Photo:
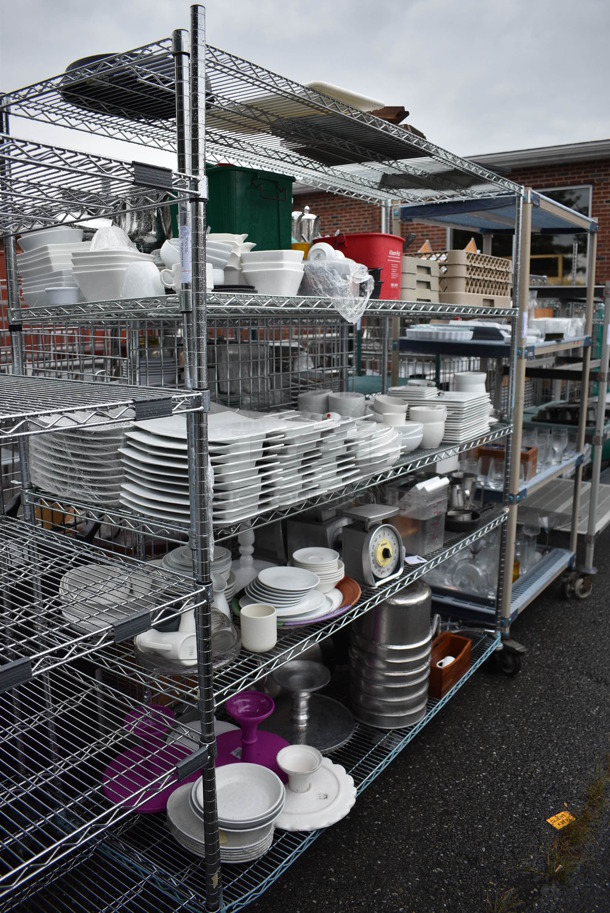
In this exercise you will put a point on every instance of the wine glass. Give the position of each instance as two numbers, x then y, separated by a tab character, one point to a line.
544	448
531	531
495	474
559	442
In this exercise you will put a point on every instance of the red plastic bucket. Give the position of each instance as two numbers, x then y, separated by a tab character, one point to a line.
377	251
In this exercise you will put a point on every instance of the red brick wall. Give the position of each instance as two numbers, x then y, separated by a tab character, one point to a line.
343	214
597	174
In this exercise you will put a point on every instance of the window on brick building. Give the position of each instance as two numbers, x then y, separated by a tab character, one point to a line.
561	258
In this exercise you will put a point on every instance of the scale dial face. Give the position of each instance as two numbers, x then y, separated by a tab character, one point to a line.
384	552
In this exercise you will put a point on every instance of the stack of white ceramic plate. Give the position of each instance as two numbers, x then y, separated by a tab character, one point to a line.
180	561
93	596
47	266
415	392
324	562
377	446
236	846
249	797
300	469
467	415
80	463
155	463
291	590
293	602
155	467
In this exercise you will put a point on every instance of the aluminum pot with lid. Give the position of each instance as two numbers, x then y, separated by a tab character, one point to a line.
401	619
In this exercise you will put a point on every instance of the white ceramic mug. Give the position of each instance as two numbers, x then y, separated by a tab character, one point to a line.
445	661
172	278
178	645
258	627
170	252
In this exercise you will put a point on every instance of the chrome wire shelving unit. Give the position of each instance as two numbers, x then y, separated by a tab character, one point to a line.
522	215
45	627
53	812
109	348
138	857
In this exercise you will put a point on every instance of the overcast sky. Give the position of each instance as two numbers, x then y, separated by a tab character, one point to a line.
476	75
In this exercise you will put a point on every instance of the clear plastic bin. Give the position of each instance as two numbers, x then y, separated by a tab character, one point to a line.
421	521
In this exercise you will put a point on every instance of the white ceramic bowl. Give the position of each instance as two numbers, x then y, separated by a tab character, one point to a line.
217	262
273	264
411	436
432	434
272	256
275	281
100	284
349	404
60	234
390	404
428	414
393	418
470	381
104	258
65	295
225	236
313	401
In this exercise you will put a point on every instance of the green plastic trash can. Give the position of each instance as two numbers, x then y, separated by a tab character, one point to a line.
256	202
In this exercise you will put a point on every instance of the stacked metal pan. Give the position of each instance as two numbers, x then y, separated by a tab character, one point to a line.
390	660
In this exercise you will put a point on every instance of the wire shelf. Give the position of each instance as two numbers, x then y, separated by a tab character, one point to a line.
51	186
59	736
84	513
148	854
248	669
127	97
45	626
240	304
261	119
33	405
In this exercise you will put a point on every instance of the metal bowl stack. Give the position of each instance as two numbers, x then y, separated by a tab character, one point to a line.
390	660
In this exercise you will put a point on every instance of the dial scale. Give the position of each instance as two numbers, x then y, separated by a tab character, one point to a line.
372	551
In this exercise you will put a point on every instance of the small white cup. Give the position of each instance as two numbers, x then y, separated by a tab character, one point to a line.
172	278
258	627
170	252
445	661
300	763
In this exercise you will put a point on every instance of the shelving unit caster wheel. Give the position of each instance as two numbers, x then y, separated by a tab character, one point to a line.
578	584
583	586
567	586
508	659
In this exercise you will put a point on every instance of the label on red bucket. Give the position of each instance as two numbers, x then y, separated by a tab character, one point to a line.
392	272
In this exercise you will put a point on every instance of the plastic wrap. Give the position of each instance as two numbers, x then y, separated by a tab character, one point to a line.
346	281
111	237
80	463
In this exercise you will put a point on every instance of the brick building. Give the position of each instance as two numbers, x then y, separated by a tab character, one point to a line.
577	174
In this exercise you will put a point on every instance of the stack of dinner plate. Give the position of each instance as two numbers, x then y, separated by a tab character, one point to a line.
377	447
293	591
250	798
79	463
180	561
324	562
467	415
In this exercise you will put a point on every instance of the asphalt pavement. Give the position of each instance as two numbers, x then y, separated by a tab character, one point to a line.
458	822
